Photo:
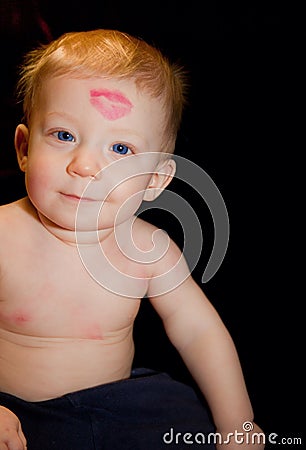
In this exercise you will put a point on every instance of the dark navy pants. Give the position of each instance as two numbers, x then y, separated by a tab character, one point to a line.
148	411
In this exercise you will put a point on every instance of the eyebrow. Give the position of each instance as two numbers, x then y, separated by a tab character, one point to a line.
60	114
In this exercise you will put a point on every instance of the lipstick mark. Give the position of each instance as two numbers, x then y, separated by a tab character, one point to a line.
111	104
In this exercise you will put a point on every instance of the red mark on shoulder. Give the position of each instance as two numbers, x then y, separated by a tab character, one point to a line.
111	104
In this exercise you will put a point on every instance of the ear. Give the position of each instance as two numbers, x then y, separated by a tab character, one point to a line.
21	146
160	179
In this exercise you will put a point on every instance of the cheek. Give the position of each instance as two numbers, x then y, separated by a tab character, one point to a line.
39	178
129	195
131	190
36	185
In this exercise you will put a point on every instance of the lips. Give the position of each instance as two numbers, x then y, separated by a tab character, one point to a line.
77	198
111	104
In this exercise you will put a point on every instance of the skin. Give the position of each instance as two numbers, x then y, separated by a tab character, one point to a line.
61	329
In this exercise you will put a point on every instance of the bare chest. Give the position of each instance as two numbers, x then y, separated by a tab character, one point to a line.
52	293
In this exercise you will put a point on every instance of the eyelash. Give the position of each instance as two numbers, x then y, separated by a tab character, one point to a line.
70	138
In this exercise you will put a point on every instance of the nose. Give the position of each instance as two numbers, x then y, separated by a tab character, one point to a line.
84	164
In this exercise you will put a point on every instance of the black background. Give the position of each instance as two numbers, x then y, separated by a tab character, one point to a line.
245	62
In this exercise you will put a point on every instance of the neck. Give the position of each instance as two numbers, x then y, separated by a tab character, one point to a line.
74	237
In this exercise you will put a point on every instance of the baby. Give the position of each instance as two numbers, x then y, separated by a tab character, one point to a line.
101	115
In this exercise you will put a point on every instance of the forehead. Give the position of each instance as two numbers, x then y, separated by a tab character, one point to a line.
109	102
116	92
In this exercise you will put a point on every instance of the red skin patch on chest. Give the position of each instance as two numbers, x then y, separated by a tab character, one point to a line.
20	318
17	318
111	104
94	332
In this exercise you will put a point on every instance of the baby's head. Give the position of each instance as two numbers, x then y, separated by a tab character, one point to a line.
109	54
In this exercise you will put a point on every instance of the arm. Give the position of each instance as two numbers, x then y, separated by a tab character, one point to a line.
11	435
199	335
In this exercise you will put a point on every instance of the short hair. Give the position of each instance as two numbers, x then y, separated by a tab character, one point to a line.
110	54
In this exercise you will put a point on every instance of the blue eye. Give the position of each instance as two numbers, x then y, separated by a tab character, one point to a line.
65	136
121	149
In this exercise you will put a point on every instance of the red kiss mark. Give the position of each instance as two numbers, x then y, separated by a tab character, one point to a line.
111	104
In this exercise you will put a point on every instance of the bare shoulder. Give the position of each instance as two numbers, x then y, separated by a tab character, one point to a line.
8	214
164	259
12	213
156	242
14	218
